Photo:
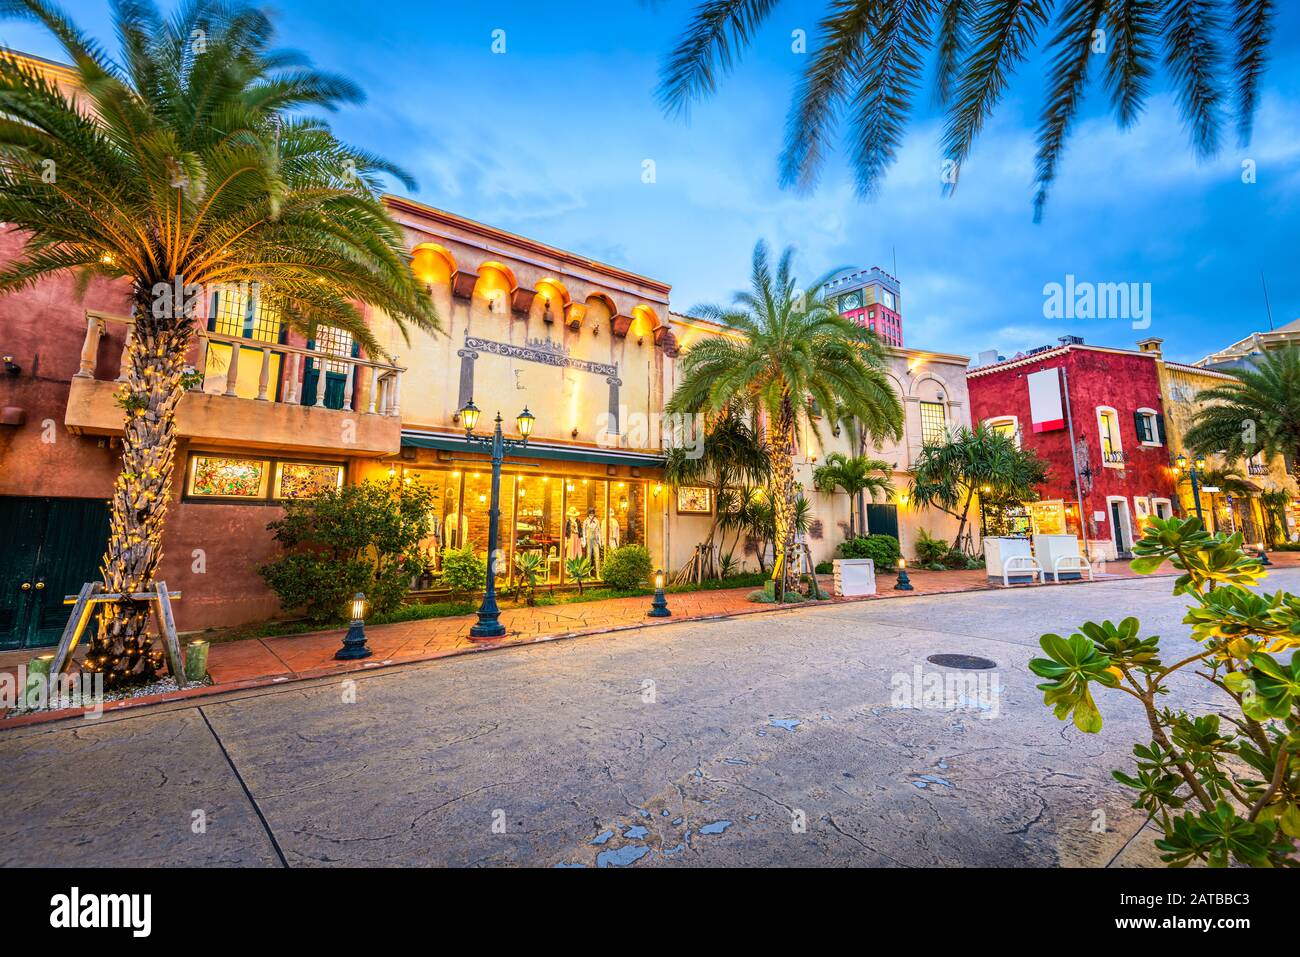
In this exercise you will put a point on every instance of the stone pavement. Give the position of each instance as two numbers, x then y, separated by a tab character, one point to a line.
258	661
773	740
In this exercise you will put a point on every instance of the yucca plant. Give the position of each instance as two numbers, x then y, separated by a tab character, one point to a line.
179	166
578	569
870	56
797	355
529	566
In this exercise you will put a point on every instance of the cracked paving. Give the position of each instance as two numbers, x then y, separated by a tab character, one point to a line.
768	740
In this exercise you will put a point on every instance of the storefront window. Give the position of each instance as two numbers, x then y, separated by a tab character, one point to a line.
557	516
539	523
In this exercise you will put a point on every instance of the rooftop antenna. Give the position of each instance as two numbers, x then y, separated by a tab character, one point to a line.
1267	307
894	250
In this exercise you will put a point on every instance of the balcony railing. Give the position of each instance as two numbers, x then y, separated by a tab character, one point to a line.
1256	468
378	384
1114	457
281	411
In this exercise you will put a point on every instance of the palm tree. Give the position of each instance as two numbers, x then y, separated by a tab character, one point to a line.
797	354
869	63
1259	412
855	475
184	165
948	474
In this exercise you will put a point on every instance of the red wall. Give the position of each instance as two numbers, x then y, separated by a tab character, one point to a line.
43	327
1125	382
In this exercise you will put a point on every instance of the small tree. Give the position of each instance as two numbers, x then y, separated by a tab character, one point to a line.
1238	770
855	475
949	474
362	537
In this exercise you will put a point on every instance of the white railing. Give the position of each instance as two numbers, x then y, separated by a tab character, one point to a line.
374	389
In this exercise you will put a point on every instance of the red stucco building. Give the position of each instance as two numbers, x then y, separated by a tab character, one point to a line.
1094	414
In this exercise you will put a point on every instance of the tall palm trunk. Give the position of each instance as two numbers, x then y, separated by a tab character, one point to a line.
781	433
142	493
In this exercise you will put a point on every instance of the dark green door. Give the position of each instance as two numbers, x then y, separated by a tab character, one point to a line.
882	520
335	386
52	547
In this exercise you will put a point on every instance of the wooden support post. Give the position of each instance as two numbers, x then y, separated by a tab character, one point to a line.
168	628
82	605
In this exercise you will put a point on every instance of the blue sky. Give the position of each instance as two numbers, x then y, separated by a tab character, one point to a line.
550	138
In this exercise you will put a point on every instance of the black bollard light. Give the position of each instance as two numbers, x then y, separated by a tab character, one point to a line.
904	583
354	642
659	607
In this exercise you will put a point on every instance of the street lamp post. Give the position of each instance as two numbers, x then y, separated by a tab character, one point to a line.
489	615
1195	473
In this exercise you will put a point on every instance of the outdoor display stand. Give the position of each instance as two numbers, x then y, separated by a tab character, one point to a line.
83	605
854	576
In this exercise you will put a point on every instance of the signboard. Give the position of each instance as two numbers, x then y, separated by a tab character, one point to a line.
1048	518
1045	409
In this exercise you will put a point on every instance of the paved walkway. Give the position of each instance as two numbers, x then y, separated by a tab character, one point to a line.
255	662
799	738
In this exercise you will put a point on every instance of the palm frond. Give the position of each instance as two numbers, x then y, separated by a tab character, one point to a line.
711	44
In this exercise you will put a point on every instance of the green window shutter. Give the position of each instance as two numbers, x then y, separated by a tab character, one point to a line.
1143	426
1160	428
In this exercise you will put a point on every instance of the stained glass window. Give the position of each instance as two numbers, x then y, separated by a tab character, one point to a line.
220	477
305	479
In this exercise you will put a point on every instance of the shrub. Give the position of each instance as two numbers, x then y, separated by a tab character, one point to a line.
627	567
930	550
1222	786
760	595
955	558
463	571
824	568
882	549
358	538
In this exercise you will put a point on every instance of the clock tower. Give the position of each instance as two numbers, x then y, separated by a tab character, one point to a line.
870	297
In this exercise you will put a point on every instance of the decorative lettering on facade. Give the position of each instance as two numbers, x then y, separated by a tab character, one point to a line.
546	351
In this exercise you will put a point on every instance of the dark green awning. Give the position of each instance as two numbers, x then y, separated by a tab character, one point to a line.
550	452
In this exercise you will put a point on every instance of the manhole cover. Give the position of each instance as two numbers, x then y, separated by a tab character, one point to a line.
965	662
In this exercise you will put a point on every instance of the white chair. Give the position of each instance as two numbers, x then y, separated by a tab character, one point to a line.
1072	563
552	559
1020	565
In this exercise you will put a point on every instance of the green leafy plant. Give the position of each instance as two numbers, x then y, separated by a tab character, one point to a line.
855	475
529	566
578	569
627	567
362	537
463	571
1224	787
728	566
825	568
884	550
951	474
930	550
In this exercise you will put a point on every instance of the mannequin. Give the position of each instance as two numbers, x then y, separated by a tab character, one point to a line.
591	539
613	529
572	534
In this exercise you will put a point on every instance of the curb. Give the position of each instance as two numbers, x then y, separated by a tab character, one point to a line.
271	680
